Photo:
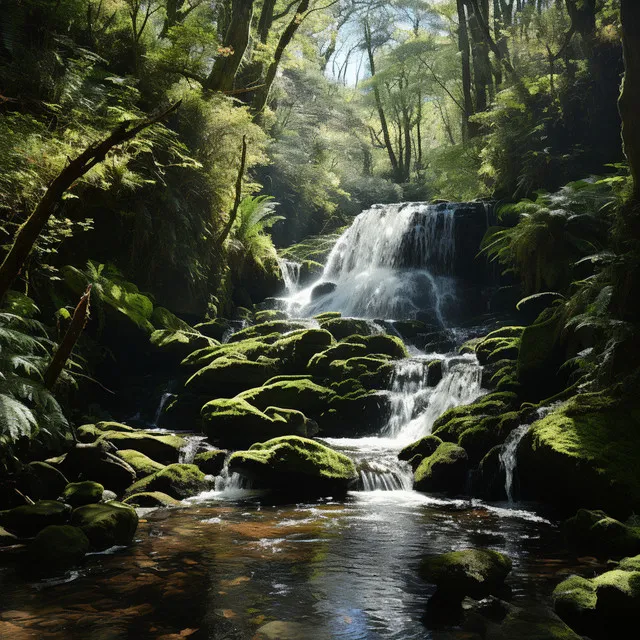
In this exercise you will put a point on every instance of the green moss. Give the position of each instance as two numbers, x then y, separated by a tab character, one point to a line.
493	349
593	532
391	346
26	520
162	318
78	494
292	394
214	328
56	548
295	465
106	524
180	343
315	248
228	376
151	499
270	315
287	378
162	448
588	447
630	564
507	332
444	470
341	328
477	442
210	462
176	480
532	623
574	596
470	572
373	372
114	426
422	448
252	349
141	464
267	328
327	315
320	362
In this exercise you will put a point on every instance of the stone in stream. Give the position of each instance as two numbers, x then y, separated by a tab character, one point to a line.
77	494
210	462
228	376
27	520
323	289
471	572
106	524
176	480
444	471
141	464
161	448
151	499
293	466
57	548
417	451
341	328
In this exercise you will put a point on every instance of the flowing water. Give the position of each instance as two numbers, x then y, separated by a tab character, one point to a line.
232	565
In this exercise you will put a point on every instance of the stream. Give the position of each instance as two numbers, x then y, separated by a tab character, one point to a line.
230	564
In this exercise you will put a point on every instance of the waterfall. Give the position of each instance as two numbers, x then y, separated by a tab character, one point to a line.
393	262
415	407
508	457
290	271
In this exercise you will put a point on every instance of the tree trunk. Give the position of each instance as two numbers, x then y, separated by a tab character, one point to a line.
482	76
238	197
29	232
261	95
225	68
463	47
63	352
381	115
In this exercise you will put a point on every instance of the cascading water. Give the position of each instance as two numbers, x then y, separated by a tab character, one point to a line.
393	262
290	271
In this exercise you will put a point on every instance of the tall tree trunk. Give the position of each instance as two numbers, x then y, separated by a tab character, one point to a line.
29	232
266	20
261	95
378	99
225	68
468	131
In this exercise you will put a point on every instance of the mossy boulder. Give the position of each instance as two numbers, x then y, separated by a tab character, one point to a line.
417	451
382	343
93	462
479	440
141	464
179	343
91	432
291	394
266	328
236	423
373	371
355	414
530	623
227	376
210	463
444	471
78	494
594	533
319	364
176	480
584	454
295	466
106	524
269	315
162	448
341	328
162	318
27	520
215	328
41	481
327	315
57	548
471	572
151	499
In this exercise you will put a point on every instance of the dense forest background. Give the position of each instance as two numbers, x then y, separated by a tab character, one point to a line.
293	116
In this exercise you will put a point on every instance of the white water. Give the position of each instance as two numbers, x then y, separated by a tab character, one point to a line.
290	271
394	261
161	405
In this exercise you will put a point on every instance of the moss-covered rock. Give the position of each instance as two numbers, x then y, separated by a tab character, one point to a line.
355	414
176	480
235	423
251	349
269	315
26	520
289	378
470	572
91	432
492	349
106	524
382	343
594	533
291	394
57	548
445	470
215	328
151	499
141	464
162	318
531	623
479	440
372	372
584	454
162	448
210	462
179	343
341	328
295	466
417	451
266	328
489	480
327	315
228	376
41	481
575	601
319	364
77	494
92	462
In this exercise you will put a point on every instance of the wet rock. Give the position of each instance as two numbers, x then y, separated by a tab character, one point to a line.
27	520
267	328
77	494
472	572
341	328
141	464
420	449
232	375
151	499
57	548
161	448
176	344
176	480
295	466
106	524
323	289
593	532
236	423
319	364
443	471
532	623
489	481
355	414
210	462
